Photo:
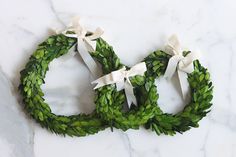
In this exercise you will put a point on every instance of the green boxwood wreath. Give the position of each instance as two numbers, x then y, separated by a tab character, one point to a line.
147	109
109	102
195	110
32	77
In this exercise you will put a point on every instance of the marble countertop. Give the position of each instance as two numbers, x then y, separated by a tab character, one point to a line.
134	28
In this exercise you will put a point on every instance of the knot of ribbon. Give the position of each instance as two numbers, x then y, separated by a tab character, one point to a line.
182	64
121	79
86	43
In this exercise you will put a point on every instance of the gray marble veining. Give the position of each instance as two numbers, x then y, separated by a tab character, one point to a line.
16	134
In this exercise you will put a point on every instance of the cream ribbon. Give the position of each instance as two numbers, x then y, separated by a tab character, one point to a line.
183	65
121	79
85	43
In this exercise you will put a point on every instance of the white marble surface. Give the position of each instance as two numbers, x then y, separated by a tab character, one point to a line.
134	28
16	133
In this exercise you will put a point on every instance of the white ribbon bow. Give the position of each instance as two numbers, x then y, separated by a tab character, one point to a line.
121	79
85	43
183	65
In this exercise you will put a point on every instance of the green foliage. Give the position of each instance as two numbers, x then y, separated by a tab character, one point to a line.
109	102
194	111
32	77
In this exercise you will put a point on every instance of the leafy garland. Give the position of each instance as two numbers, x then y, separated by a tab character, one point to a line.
169	124
109	102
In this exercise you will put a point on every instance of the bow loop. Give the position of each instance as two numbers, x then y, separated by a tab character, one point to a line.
138	69
173	46
96	34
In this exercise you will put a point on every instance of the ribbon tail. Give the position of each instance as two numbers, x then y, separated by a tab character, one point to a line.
129	92
184	84
90	45
172	65
87	58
